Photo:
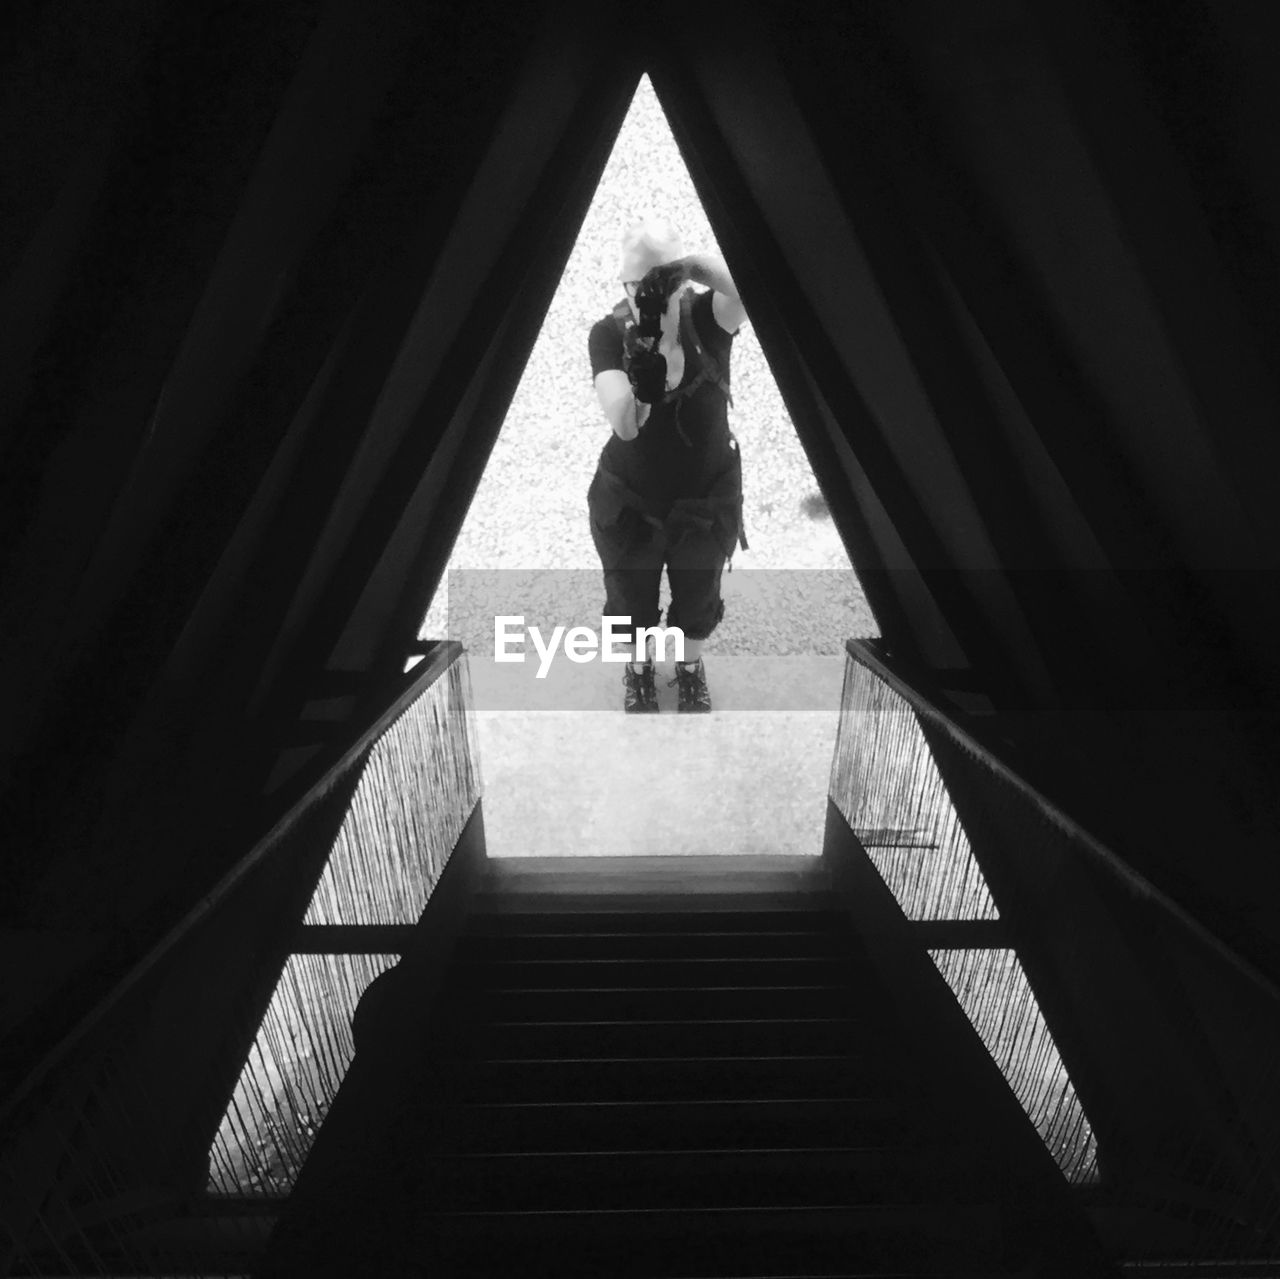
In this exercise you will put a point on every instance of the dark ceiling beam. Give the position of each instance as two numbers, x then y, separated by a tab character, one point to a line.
871	169
1149	740
203	535
419	329
61	132
1096	216
1151	136
1030	442
388	615
318	383
341	83
531	190
1173	721
821	283
885	570
1177	233
172	294
186	138
1037	443
528	197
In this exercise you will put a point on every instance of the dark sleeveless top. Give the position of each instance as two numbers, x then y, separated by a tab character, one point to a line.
684	446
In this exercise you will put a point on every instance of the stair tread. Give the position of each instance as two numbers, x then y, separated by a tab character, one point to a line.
787	1176
872	1152
691	864
507	913
643	961
663	1078
729	1123
672	905
660	1021
608	973
735	875
694	1101
665	987
647	1003
631	1060
720	1241
527	947
911	1213
681	931
858	1039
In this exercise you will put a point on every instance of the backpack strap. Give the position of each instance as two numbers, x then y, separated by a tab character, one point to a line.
622	317
708	367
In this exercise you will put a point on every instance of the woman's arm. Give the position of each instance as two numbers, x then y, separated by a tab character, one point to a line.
709	269
626	415
613	386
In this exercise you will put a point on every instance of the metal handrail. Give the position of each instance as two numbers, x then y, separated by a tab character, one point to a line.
866	655
314	782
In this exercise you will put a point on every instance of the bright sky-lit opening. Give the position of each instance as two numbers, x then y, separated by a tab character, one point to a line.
752	778
530	508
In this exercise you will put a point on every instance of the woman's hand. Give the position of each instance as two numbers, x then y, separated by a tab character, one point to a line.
647	371
665	279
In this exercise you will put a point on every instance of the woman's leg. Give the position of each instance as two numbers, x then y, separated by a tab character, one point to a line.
631	590
632	580
694	568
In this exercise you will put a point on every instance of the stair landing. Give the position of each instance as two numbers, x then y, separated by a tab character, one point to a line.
615	785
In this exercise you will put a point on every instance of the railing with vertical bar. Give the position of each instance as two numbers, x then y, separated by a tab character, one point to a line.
158	1136
1145	1052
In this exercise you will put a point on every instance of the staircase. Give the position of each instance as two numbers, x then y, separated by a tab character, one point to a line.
670	1068
644	1067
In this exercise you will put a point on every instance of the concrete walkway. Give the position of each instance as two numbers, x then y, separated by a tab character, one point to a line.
751	777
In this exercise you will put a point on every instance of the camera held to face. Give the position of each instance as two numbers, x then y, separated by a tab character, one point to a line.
647	367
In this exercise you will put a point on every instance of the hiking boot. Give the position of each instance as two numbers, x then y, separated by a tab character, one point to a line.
694	697
641	696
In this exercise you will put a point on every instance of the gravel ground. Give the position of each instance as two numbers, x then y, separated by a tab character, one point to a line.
530	510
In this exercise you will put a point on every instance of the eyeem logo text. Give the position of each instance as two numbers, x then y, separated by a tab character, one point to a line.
581	643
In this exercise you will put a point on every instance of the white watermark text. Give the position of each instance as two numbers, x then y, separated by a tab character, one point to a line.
613	643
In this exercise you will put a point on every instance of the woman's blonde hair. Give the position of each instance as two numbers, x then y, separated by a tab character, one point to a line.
651	238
